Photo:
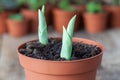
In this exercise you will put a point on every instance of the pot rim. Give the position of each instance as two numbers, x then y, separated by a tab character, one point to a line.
70	61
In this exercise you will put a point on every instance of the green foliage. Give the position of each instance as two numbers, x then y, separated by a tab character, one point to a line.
116	2
93	7
9	4
42	29
35	4
79	1
21	2
52	2
66	49
17	17
1	9
65	5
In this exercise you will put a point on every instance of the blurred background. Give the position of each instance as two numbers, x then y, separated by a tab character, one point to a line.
97	20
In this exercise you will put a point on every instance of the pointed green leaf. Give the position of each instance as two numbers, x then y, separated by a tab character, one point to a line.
42	29
66	49
70	28
66	45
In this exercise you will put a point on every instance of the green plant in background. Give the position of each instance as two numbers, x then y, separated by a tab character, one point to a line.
17	17
1	9
9	4
116	2
66	50
42	29
65	5
52	2
21	2
35	4
94	7
79	1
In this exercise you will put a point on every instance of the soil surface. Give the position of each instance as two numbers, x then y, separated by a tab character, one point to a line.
52	50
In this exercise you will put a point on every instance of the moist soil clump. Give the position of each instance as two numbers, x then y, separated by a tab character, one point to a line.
51	51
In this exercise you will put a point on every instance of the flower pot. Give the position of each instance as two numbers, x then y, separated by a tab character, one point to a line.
32	19
84	69
95	23
48	14
115	16
2	23
17	28
62	17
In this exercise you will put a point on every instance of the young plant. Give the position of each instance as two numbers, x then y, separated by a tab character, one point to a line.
42	28
93	7
9	4
17	17
35	4
66	50
116	2
65	5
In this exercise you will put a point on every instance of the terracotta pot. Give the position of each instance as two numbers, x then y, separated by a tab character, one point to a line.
2	23
17	28
48	14
80	8
84	69
95	23
62	17
115	16
32	19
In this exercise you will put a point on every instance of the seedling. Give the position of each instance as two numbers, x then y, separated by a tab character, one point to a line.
17	17
42	29
67	40
93	7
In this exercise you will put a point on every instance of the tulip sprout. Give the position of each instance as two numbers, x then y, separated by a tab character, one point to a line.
66	49
42	29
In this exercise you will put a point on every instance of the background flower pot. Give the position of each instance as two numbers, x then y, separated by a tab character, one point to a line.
62	17
3	17
115	16
95	23
36	69
32	19
17	28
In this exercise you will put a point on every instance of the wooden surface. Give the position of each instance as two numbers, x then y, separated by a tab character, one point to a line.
10	68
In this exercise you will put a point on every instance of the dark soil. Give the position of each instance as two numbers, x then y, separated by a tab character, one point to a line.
52	50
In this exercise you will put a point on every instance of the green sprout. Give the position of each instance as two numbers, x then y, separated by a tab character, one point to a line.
93	7
17	17
66	49
42	29
35	4
65	5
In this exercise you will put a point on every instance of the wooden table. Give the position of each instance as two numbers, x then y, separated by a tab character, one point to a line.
11	70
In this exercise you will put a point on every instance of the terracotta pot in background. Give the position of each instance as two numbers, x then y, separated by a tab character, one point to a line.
95	23
3	17
36	69
17	28
62	17
115	16
48	14
32	19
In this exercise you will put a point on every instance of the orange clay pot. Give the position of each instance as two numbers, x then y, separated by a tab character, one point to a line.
115	16
62	17
17	28
32	18
84	69
95	23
